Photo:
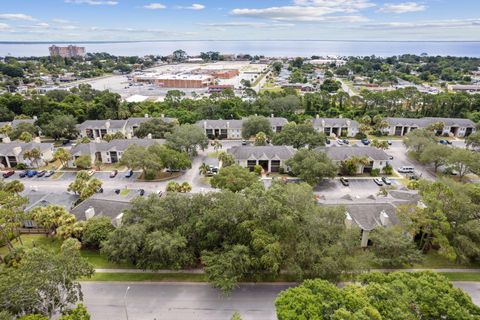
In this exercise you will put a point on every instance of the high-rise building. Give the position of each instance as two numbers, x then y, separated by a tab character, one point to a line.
67	52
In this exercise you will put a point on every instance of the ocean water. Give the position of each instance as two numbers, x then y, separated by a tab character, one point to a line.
274	48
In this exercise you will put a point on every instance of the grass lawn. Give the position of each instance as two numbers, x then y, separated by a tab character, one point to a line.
93	256
54	165
124	192
162	176
462	276
433	260
186	277
214	154
206	180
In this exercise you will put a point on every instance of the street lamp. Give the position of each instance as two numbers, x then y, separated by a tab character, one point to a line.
125	302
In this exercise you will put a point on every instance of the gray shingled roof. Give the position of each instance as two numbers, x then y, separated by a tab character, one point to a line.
277	121
7	148
101	124
367	216
344	153
41	199
114	145
16	122
103	207
334	122
257	152
137	121
425	122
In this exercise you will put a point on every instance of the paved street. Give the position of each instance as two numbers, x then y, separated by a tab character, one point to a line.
172	301
179	301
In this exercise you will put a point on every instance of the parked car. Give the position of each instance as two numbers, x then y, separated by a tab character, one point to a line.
344	181
365	142
340	142
327	141
141	192
117	191
49	173
100	190
66	141
378	181
390	157
22	174
386	181
346	141
129	174
113	174
244	142
41	173
389	142
8	174
91	172
31	173
160	193
445	142
406	169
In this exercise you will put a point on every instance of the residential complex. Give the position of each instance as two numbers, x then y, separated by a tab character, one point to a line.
451	126
270	158
14	153
337	127
377	158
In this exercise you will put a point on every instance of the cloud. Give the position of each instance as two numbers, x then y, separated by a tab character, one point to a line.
93	2
402	7
154	6
194	6
454	23
15	16
310	11
63	21
257	25
4	27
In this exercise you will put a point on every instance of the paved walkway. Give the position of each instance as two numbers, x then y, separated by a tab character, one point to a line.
201	271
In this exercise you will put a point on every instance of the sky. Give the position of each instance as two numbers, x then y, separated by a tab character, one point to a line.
129	20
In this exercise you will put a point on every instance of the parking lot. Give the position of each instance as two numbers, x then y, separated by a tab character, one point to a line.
333	189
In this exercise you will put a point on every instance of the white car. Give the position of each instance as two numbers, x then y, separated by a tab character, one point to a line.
340	142
91	172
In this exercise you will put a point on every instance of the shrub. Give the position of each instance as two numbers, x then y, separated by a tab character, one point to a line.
281	170
360	136
149	175
388	170
21	166
413	184
258	169
375	172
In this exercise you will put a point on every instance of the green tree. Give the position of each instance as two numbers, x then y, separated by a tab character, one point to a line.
330	85
84	185
226	159
62	155
312	166
260	139
393	248
380	144
115	136
30	129
26	137
25	290
233	178
299	136
78	313
255	124
473	140
435	154
187	138
96	230
52	218
157	127
83	162
464	161
417	140
33	155
61	126
378	296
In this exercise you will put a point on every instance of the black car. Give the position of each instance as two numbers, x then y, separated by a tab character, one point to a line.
22	174
117	191
244	142
100	190
8	174
346	141
344	181
141	192
327	141
41	173
129	174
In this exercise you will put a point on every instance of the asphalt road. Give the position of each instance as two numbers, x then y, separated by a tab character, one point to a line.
179	301
175	301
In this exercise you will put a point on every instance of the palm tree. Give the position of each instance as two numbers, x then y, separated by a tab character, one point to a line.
204	168
216	145
62	155
33	155
185	187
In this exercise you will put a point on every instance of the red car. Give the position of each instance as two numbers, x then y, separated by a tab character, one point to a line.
8	174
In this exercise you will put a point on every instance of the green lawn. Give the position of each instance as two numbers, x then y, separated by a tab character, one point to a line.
93	256
433	260
462	276
187	277
124	192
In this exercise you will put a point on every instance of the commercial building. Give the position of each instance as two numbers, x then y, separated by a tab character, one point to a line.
13	153
184	81
452	126
336	127
377	158
107	152
67	52
270	158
